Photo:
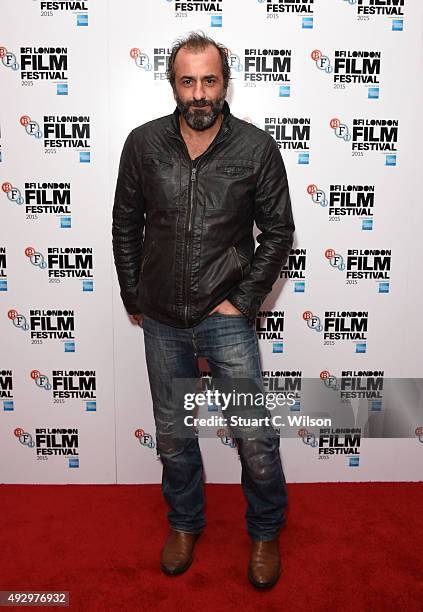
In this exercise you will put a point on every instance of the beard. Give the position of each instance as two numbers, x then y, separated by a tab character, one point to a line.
199	119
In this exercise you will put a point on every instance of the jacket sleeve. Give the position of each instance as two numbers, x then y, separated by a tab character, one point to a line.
128	225
273	217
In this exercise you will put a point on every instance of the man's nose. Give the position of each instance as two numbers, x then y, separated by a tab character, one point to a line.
199	93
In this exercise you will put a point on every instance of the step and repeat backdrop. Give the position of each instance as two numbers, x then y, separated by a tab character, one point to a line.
337	83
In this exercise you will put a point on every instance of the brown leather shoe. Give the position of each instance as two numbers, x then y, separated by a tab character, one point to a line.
265	563
176	556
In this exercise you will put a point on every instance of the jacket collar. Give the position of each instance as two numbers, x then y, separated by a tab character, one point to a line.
175	129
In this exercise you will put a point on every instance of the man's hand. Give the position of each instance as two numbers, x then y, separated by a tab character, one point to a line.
136	318
226	307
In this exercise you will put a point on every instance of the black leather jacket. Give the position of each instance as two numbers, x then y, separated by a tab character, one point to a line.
183	235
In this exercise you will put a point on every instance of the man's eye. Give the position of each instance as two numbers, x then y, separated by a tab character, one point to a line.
210	81
187	81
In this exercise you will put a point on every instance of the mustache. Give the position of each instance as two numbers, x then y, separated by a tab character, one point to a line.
200	103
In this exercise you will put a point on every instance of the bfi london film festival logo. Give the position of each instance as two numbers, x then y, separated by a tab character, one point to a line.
268	66
346	201
226	439
270	327
368	10
304	9
235	63
291	134
7	397
46	324
65	263
340	326
78	9
67	385
50	442
295	269
154	61
41	200
37	64
357	384
374	135
362	264
351	68
3	269
191	8
145	439
62	132
330	441
285	382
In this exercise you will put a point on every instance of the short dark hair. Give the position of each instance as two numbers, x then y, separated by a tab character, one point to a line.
197	41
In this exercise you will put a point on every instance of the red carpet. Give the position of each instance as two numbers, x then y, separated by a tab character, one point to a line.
345	547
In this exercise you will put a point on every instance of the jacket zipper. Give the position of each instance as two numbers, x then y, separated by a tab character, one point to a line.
192	183
187	238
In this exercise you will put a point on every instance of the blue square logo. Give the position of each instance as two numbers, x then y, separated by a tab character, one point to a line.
304	158
3	285
299	286
216	21
65	222
277	347
376	405
307	23
87	285
84	157
74	462
384	287
82	19
367	224
295	407
70	347
360	347
91	406
354	462
62	89
8	405
212	408
390	160
373	93
284	91
397	25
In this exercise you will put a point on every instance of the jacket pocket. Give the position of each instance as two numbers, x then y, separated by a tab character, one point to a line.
218	276
242	261
233	184
146	257
160	181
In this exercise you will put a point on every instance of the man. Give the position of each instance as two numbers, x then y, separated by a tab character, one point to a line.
195	182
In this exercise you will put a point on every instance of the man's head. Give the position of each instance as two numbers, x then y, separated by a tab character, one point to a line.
199	73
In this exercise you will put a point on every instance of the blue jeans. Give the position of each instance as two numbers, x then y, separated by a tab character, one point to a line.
230	346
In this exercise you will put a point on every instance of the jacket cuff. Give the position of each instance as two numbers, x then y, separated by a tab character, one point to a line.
130	302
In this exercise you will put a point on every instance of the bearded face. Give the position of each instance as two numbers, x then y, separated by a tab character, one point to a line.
199	87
